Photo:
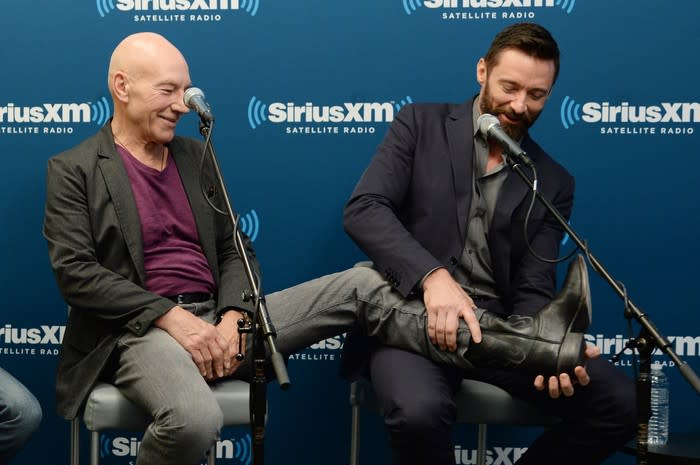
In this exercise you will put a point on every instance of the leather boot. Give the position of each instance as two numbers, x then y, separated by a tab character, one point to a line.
547	343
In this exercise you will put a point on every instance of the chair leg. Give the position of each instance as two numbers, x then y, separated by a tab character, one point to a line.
355	398
481	445
211	456
75	441
94	448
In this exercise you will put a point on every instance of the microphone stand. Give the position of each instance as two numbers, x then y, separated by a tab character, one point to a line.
650	337
260	328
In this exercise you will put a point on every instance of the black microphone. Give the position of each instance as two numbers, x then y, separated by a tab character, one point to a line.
194	100
489	126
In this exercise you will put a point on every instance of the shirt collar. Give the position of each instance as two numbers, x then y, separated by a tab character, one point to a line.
476	112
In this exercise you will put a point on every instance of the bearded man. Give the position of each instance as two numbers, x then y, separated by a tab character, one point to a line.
441	216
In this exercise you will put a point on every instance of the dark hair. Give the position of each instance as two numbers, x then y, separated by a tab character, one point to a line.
529	38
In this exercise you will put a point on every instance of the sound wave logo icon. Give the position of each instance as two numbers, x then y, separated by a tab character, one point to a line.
565	239
104	7
409	6
249	224
250	6
403	102
257	112
105	448
569	112
243	450
100	111
566	5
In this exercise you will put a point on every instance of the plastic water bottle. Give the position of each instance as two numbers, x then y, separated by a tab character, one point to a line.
658	423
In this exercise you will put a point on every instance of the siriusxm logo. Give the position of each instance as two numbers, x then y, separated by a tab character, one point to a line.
410	6
249	224
237	449
347	112
688	346
181	6
48	113
571	112
44	334
495	456
322	350
332	343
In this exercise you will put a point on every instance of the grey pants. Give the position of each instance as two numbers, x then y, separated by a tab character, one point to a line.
156	373
356	299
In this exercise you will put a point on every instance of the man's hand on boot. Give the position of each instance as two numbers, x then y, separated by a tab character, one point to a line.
556	386
445	302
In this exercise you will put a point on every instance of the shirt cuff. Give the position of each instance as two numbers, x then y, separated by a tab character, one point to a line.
419	286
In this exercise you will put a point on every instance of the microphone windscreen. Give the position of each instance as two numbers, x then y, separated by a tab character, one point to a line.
485	122
191	93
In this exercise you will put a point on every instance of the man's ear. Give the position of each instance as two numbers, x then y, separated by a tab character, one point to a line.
481	72
120	86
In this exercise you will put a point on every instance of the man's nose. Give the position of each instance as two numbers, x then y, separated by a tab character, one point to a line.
519	103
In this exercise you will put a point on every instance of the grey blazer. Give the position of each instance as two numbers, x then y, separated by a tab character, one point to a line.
94	239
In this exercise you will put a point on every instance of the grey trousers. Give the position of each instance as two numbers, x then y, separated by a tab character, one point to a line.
357	299
155	372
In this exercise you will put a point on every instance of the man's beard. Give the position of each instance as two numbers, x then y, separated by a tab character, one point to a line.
515	131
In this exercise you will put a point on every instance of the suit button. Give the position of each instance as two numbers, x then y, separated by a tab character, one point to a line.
138	325
453	261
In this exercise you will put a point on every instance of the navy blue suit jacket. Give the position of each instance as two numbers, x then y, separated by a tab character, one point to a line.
409	210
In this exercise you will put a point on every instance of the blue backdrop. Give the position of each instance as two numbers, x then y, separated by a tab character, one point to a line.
623	118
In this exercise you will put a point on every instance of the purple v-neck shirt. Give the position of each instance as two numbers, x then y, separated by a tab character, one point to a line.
173	257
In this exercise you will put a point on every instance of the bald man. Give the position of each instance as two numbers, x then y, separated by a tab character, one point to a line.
154	282
148	268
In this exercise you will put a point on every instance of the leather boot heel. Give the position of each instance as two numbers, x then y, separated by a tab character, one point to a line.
571	353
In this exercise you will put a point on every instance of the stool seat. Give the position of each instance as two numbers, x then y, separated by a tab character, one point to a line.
483	403
477	403
107	408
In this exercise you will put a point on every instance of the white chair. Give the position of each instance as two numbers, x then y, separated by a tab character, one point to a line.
477	403
107	409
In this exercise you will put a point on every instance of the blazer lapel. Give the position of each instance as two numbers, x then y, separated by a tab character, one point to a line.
119	188
461	142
